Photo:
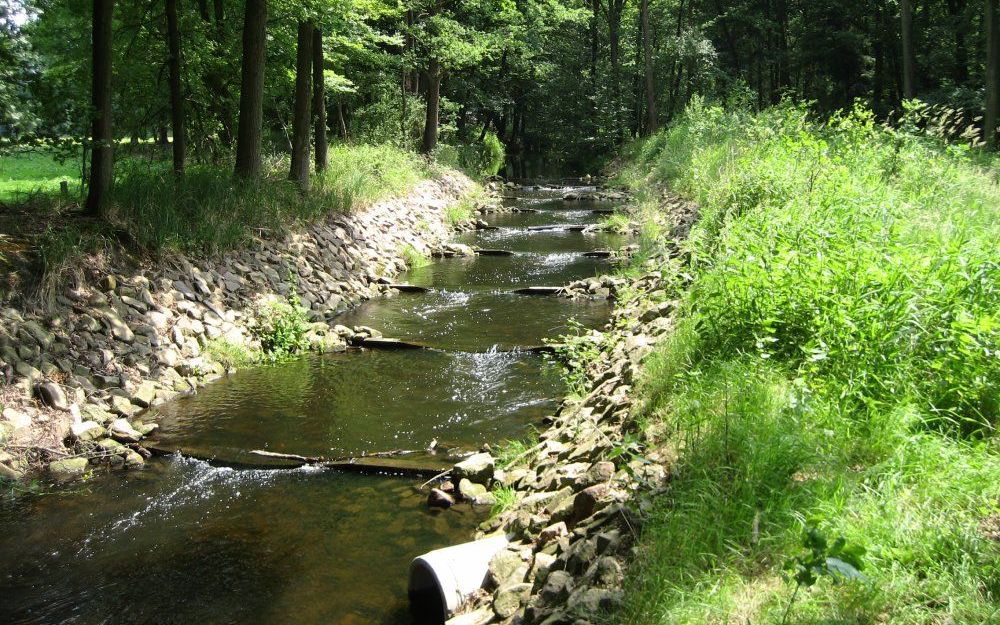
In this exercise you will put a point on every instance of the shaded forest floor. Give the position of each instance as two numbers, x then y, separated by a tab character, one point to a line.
832	387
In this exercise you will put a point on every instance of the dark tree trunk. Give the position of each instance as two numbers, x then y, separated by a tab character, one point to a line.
909	61
319	101
647	56
300	112
992	23
176	102
960	26
248	133
614	51
102	159
878	51
342	122
433	96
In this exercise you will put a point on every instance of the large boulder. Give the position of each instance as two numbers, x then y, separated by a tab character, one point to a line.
476	468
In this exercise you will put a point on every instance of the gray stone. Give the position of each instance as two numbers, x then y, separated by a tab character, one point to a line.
52	395
121	430
556	587
145	394
509	598
437	498
476	468
122	406
87	431
470	490
504	568
68	469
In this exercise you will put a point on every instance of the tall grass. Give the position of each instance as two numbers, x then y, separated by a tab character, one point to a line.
207	210
835	364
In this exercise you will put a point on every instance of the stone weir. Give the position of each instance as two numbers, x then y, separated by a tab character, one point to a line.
75	379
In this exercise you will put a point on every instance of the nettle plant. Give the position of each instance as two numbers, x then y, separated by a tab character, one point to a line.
838	561
280	326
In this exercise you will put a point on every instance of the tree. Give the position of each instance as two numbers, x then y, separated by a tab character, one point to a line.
102	136
319	100
248	132
300	112
432	95
992	21
909	62
176	102
647	56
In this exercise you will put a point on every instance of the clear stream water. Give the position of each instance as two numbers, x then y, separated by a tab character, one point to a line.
186	541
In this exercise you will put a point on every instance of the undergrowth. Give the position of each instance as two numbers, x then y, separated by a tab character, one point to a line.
834	366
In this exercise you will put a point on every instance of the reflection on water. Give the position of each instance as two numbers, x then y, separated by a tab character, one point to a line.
186	542
183	542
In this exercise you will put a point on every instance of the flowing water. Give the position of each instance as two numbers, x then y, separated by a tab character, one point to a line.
187	541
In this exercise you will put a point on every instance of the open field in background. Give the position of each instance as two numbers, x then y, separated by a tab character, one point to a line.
26	172
836	367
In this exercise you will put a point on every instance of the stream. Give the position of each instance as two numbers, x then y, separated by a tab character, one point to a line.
188	541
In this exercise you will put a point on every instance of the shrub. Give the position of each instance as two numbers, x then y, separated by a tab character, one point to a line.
479	160
279	326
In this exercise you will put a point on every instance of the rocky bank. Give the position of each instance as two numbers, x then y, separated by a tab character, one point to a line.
76	378
581	493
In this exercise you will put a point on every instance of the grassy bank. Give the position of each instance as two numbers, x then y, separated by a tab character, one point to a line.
206	211
834	368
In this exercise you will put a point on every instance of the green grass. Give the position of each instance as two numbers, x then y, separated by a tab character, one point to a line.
506	497
209	211
231	355
23	173
834	365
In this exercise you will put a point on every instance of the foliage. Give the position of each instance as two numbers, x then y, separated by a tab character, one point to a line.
413	257
479	160
506	497
831	363
279	326
231	355
574	352
513	450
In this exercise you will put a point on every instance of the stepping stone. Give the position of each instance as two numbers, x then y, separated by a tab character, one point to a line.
540	290
488	252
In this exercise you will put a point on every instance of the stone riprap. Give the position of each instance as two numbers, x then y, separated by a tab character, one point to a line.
78	376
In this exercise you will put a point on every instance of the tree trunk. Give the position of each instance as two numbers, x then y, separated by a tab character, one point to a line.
319	101
909	61
878	51
248	132
614	52
176	103
992	23
342	122
300	113
647	55
433	96
102	159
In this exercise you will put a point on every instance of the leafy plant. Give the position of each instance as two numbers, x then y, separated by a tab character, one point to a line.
279	326
505	497
838	561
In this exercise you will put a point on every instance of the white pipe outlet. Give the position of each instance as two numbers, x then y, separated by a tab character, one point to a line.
442	579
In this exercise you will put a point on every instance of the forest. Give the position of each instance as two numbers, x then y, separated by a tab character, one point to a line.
556	85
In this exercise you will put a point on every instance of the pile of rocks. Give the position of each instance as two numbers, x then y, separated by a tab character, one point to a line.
75	379
581	493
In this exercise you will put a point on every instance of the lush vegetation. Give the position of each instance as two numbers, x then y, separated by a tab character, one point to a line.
833	373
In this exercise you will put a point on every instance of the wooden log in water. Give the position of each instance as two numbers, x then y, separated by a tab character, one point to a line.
409	288
540	290
493	252
599	254
391	344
